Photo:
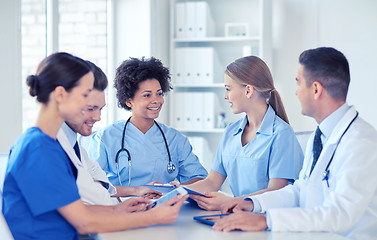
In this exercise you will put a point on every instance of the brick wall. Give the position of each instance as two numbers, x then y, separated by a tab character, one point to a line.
82	32
33	30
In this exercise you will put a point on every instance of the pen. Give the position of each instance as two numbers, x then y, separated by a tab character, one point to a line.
326	177
163	184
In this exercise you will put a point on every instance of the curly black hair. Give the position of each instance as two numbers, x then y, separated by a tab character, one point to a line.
133	71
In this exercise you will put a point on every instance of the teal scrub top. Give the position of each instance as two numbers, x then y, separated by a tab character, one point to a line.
149	157
273	153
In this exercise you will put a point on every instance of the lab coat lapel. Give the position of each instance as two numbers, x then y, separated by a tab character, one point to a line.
314	184
63	140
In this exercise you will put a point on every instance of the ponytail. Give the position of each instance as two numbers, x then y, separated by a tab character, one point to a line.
254	71
275	102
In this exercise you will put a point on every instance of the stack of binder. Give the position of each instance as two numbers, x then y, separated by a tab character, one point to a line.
195	110
193	20
195	65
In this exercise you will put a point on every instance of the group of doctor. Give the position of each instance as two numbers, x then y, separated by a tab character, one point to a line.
259	154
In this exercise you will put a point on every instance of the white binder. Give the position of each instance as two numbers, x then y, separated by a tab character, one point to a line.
179	65
190	63
194	55
178	106
209	104
180	20
190	17
197	109
204	21
187	110
206	65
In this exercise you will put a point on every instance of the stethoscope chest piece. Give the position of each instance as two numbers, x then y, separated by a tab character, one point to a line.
171	167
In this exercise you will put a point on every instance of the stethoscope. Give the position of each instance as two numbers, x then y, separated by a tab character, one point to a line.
170	168
326	173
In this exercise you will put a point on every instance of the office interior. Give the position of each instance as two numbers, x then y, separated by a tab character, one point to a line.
139	28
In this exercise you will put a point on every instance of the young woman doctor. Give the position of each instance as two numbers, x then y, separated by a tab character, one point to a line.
139	150
259	152
41	199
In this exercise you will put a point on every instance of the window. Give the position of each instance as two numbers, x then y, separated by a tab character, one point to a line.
82	32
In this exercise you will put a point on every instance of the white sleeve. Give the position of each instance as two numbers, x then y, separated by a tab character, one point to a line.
286	197
347	204
96	172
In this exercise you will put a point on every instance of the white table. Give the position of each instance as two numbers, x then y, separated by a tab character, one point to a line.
186	228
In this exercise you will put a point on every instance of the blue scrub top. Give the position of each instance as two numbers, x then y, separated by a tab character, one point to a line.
149	157
273	153
39	179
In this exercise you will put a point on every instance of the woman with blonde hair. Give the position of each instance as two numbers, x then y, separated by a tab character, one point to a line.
259	152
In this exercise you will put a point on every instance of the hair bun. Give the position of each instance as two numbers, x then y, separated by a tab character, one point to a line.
33	82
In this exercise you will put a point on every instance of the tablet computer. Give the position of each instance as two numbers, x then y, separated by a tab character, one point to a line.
210	219
164	189
190	191
170	195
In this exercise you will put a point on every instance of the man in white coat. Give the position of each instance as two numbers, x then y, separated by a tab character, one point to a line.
338	192
93	184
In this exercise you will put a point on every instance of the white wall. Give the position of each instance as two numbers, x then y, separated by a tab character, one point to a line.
130	36
348	25
140	29
10	68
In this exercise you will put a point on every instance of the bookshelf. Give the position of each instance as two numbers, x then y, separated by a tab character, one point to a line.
206	36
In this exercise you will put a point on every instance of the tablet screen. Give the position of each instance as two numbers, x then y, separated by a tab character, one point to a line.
209	219
190	191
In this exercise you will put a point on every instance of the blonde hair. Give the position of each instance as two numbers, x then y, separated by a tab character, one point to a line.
254	71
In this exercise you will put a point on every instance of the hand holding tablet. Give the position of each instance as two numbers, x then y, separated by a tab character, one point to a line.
172	194
166	188
189	191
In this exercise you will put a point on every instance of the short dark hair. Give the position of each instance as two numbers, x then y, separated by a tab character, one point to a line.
58	69
133	71
100	79
329	67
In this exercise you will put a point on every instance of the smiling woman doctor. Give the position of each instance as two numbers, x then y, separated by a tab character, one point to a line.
139	150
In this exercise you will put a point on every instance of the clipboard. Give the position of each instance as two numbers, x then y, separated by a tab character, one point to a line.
209	219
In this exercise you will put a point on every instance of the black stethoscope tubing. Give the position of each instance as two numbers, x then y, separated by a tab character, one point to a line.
327	171
171	166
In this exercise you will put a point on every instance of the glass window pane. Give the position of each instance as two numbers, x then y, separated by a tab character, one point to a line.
83	32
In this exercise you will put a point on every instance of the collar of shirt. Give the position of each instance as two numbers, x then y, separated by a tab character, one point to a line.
266	126
71	135
329	123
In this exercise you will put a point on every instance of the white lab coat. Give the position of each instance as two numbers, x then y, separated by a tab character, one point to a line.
349	205
88	175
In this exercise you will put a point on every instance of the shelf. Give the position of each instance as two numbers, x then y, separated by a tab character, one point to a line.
193	130
204	85
216	39
198	61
